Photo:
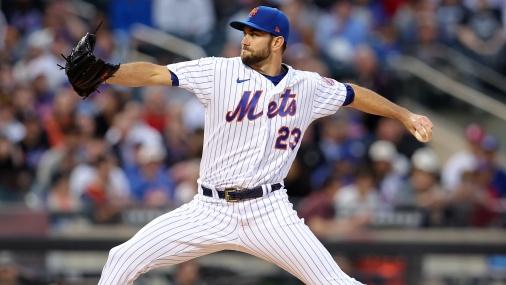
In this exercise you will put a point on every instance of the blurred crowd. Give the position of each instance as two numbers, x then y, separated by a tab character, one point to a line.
124	149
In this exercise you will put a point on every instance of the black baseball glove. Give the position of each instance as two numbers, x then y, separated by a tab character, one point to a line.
84	71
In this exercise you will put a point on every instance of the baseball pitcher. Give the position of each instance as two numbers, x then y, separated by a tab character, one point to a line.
256	112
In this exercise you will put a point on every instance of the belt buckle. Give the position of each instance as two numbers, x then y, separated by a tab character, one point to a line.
228	198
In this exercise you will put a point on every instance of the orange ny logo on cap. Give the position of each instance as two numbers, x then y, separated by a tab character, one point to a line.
253	12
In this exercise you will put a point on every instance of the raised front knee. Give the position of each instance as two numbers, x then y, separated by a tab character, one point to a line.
115	254
116	269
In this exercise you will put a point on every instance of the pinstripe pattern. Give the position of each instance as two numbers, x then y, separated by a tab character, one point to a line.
195	229
248	145
267	227
274	232
245	145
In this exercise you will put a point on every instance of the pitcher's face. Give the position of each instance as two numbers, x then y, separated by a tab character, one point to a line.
255	46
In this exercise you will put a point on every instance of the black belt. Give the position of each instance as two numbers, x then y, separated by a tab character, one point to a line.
239	194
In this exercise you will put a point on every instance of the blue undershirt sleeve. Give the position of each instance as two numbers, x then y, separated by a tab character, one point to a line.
173	77
350	95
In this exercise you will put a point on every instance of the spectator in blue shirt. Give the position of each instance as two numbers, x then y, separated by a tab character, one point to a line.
149	179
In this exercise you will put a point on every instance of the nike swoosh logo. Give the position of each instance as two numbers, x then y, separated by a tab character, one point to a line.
242	80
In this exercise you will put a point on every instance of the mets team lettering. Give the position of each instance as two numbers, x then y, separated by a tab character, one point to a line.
288	106
247	106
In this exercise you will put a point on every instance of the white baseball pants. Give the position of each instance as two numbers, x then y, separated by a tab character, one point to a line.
266	227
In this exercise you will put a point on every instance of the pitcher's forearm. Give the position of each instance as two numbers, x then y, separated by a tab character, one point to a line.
370	102
137	74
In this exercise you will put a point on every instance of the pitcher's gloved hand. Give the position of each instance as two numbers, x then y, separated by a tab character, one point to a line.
84	71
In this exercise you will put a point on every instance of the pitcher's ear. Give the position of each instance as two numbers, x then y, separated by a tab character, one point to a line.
279	42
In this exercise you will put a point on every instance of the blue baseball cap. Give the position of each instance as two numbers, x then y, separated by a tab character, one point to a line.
267	19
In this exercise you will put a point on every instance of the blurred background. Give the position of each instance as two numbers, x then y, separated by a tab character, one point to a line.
80	176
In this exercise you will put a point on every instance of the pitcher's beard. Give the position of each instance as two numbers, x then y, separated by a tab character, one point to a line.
252	59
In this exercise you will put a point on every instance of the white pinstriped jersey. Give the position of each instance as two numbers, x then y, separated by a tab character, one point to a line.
253	128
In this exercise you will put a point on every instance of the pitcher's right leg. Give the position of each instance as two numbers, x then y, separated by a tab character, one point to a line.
274	232
193	230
